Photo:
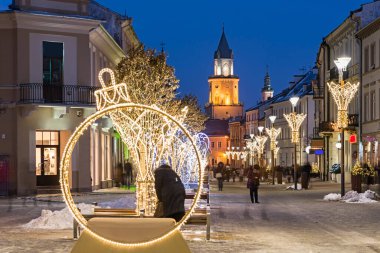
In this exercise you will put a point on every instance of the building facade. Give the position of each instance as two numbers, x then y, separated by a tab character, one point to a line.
50	55
343	42
370	94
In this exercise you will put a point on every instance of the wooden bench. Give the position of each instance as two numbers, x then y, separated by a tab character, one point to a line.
201	216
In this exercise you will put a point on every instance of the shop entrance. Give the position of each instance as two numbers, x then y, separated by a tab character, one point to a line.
47	158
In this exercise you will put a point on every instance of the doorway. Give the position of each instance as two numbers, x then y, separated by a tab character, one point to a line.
47	158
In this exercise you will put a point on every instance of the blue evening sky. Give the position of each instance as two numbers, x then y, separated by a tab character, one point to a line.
282	34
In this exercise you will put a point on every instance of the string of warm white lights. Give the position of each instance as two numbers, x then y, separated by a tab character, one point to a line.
153	140
295	120
251	148
273	134
66	162
343	93
260	140
151	135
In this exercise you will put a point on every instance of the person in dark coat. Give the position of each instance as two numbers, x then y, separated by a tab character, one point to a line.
253	185
219	175
170	191
128	174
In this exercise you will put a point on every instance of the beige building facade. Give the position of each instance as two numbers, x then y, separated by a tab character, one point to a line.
50	55
370	48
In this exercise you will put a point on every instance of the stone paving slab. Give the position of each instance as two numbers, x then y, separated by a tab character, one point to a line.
284	221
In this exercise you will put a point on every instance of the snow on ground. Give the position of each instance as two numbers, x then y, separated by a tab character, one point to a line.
291	187
353	197
332	197
62	219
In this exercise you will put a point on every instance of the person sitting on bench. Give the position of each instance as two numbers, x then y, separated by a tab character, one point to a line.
170	192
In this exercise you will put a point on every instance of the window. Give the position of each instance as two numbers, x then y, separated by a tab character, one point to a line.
366	107
50	138
373	105
372	55
212	144
52	62
366	59
219	144
47	153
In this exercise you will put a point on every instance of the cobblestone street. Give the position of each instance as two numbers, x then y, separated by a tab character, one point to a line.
284	221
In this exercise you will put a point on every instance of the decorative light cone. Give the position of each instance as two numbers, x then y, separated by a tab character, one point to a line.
343	93
273	134
295	120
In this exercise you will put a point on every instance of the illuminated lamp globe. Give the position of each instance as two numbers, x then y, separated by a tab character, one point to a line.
272	118
342	62
338	145
261	128
294	101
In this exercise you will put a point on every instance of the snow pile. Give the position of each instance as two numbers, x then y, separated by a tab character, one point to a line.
61	219
291	187
353	197
332	197
127	202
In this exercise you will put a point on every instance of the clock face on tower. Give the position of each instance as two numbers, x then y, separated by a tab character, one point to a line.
225	69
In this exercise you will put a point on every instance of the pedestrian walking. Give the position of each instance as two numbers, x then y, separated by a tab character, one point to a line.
219	175
128	174
170	193
241	174
253	184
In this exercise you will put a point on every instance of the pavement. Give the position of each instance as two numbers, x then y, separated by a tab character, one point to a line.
284	221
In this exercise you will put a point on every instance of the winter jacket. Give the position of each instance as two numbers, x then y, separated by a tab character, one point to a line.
170	190
253	180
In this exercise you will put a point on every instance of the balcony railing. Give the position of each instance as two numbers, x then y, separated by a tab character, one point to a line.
326	126
38	93
318	92
353	120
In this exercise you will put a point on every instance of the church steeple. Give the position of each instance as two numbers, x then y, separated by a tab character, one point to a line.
267	90
223	58
223	51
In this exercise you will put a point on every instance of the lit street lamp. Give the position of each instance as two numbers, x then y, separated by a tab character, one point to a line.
273	134
251	146
260	140
295	120
342	93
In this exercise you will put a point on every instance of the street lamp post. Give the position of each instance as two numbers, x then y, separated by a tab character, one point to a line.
273	134
295	120
260	140
251	146
342	93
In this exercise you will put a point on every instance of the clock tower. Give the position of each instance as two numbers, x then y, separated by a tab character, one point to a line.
223	85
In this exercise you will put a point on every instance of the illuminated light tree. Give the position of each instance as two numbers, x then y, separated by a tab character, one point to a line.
151	81
152	139
342	93
295	120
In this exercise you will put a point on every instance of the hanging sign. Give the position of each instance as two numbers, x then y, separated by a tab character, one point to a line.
353	138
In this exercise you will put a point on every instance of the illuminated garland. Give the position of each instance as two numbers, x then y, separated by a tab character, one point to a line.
153	140
295	120
66	162
260	140
153	137
273	134
343	93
